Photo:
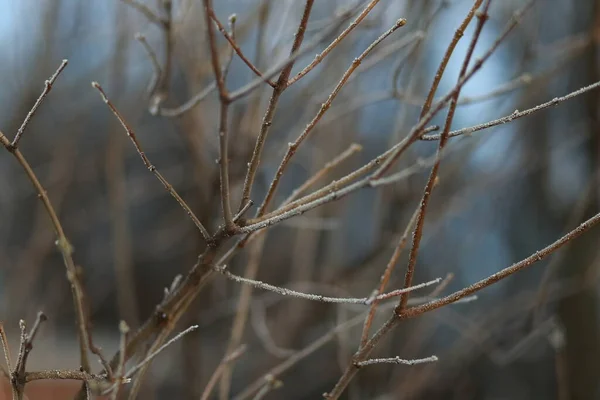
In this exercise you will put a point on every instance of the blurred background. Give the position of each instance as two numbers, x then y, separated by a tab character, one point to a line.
504	193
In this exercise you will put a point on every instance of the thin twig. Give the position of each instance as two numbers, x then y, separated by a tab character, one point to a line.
237	48
55	374
316	297
65	248
203	94
319	57
5	347
18	375
267	120
151	356
243	211
120	374
131	134
335	185
223	118
417	131
433	176
532	259
274	70
228	359
293	147
456	296
385	277
270	383
516	114
156	68
449	50
349	152
397	360
47	88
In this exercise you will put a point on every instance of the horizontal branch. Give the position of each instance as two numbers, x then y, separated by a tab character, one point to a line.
318	297
516	114
396	360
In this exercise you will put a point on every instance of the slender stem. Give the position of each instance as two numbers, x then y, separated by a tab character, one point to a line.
517	114
319	57
232	357
223	118
321	298
397	360
433	176
131	134
236	48
293	147
274	70
335	185
47	88
267	120
385	277
449	50
65	248
417	131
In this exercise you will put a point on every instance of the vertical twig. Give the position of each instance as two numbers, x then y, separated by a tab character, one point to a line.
280	85
228	359
433	176
449	50
385	277
120	373
47	88
223	120
131	134
18	375
62	242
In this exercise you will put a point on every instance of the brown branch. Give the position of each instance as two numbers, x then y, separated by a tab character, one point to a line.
55	374
319	57
120	373
385	277
516	114
506	272
417	131
335	185
433	176
292	147
203	94
131	134
223	132
278	67
5	348
237	48
457	296
231	357
47	88
156	68
267	121
320	298
442	67
18	375
396	360
62	243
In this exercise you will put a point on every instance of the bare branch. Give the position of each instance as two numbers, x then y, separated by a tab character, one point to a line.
131	134
320	298
47	88
228	359
396	360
